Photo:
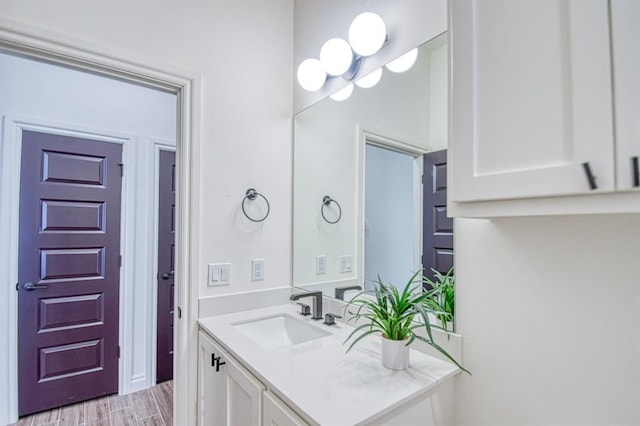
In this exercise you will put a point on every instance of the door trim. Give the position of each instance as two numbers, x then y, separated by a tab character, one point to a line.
368	135
36	43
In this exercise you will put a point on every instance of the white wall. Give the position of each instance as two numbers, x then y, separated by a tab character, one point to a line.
243	51
549	309
64	100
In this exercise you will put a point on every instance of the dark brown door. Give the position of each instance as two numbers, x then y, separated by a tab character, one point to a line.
68	270
166	257
437	238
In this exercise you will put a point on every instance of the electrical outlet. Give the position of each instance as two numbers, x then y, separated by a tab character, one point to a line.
219	274
257	270
321	264
345	263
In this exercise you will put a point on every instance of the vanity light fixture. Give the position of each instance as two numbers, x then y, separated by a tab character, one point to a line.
367	35
343	94
370	79
311	75
404	62
336	56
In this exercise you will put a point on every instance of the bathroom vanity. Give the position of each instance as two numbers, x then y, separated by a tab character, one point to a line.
273	366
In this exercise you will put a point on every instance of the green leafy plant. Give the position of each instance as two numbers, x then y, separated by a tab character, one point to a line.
395	314
441	295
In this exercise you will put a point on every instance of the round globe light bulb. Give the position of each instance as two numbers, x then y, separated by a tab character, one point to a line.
336	56
404	62
370	80
367	34
343	94
311	75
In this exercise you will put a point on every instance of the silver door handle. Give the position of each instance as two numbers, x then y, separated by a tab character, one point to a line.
167	275
31	286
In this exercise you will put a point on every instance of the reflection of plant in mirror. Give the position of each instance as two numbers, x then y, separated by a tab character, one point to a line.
392	312
441	295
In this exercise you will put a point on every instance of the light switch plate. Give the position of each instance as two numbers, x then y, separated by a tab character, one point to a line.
345	263
257	270
219	274
321	264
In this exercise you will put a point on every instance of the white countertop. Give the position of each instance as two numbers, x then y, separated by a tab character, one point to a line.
322	381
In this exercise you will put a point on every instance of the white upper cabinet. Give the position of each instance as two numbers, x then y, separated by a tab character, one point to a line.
625	42
531	97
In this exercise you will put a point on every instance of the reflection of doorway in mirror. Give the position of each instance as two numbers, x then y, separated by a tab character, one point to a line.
392	215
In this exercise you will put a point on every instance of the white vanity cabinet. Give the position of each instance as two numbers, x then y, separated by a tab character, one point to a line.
276	413
227	393
532	106
313	382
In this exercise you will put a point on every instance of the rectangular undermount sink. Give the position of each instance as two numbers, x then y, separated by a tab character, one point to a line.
280	330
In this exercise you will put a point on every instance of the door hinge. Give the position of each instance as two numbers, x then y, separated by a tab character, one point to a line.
120	261
179	312
121	169
17	286
118	351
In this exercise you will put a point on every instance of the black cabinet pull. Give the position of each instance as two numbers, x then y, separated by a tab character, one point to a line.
215	362
636	171
218	364
590	177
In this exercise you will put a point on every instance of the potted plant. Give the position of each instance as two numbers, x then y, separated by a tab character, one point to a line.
441	296
395	315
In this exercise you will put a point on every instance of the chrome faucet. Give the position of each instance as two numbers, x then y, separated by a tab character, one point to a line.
317	302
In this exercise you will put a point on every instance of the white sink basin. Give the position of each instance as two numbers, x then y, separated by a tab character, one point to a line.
279	330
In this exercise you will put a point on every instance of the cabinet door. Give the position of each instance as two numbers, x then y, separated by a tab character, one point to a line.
212	384
244	396
227	393
531	98
625	33
276	413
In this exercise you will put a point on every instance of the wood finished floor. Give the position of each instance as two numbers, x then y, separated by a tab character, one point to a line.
148	407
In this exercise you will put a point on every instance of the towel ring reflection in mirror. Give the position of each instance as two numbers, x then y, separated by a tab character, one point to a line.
251	195
326	201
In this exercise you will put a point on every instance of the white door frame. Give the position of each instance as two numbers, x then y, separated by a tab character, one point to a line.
40	44
367	135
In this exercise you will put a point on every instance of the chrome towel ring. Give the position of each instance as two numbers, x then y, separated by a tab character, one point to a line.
326	201
251	195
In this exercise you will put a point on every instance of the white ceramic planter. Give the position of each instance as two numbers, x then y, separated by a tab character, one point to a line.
395	355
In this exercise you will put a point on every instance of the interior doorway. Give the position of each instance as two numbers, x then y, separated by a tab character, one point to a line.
16	123
392	213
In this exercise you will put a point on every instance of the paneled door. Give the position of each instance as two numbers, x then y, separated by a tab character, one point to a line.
166	264
69	272
437	228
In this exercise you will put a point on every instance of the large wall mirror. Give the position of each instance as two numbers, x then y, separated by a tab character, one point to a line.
360	207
